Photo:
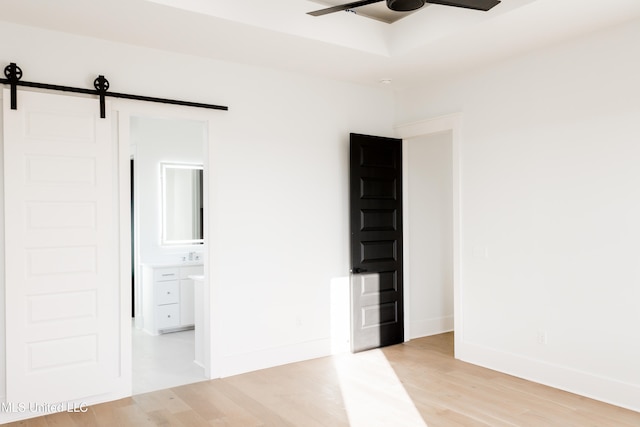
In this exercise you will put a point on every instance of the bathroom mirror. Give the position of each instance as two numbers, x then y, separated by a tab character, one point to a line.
182	207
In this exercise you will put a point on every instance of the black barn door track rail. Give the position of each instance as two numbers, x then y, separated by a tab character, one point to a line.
13	74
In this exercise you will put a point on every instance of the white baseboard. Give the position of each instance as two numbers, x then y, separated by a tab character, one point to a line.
428	327
596	387
241	363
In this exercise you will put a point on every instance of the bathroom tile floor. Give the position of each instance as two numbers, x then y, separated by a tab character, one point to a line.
164	361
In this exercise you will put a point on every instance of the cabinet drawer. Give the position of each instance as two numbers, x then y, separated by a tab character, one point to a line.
167	292
168	316
164	274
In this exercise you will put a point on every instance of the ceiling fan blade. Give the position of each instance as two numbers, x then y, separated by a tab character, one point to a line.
342	7
468	4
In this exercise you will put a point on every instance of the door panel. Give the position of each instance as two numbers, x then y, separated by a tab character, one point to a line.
376	242
62	270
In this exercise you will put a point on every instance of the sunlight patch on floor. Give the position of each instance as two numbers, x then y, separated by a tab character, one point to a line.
383	402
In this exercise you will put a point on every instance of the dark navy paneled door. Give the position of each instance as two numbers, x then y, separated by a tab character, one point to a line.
376	242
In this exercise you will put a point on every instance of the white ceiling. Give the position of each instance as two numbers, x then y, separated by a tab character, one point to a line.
431	43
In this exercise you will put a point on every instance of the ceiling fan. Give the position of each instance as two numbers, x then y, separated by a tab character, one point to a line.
409	5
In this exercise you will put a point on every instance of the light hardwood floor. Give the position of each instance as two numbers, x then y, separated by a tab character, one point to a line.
413	384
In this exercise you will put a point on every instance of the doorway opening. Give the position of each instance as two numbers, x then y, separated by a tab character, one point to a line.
429	261
168	163
432	224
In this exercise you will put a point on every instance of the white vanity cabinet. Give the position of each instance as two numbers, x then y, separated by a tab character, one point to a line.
168	297
187	294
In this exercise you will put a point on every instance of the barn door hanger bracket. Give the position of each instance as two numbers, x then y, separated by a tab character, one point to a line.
102	85
13	75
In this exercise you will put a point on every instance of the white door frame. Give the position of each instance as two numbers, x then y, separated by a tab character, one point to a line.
451	123
125	109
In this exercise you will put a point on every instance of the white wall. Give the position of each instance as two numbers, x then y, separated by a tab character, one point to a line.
550	212
155	141
429	233
281	216
278	179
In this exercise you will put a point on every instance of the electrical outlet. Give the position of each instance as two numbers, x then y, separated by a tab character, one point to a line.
481	252
542	337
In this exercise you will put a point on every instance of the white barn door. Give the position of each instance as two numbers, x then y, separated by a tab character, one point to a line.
62	243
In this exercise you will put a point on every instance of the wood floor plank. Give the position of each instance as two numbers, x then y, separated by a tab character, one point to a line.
161	400
256	408
195	396
163	418
62	419
230	413
34	422
415	384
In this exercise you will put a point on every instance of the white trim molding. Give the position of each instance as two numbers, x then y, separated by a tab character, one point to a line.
428	327
448	123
